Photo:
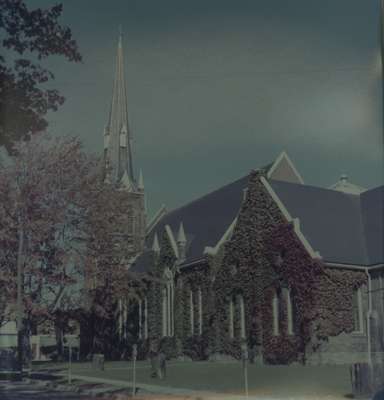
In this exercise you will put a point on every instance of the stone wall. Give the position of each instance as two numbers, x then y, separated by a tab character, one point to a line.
345	348
263	257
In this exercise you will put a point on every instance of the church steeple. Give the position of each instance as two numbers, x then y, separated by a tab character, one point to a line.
118	162
117	136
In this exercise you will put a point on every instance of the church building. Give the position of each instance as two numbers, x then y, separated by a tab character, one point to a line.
293	271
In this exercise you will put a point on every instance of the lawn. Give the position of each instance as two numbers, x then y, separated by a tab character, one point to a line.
228	377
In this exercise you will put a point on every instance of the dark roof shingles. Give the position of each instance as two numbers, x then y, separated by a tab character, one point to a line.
206	219
372	206
344	228
337	224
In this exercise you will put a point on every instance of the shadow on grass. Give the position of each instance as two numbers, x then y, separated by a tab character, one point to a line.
43	376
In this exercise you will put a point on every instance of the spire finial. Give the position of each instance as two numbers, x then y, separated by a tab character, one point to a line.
155	245
125	182
141	181
120	36
181	234
181	243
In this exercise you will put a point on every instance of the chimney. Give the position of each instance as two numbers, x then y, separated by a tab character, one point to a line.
140	185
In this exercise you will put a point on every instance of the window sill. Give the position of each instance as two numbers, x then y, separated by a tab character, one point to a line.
358	333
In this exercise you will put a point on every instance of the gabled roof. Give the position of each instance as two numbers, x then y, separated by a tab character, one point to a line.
283	169
206	219
143	262
344	228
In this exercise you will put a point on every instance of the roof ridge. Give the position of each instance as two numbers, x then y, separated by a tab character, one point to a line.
170	212
315	187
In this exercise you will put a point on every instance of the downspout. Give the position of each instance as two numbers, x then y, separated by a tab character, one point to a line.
369	313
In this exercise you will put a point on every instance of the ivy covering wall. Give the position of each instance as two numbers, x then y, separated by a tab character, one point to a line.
262	259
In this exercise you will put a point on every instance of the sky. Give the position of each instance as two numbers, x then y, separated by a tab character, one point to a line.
217	88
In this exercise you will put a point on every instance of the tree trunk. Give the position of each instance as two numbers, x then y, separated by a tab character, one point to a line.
59	337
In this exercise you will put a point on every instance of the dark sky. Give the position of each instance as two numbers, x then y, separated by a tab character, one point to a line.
216	88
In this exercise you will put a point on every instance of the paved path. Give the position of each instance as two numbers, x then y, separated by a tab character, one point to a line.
193	394
29	391
144	386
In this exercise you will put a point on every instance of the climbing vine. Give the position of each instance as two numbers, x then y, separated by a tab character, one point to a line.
265	256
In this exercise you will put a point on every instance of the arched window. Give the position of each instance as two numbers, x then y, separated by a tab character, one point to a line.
231	319
358	310
164	311
290	312
145	318
120	318
276	313
242	316
200	308
168	304
191	312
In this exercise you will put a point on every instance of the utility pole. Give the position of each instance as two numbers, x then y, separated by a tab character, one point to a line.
134	356
244	356
20	273
70	361
20	287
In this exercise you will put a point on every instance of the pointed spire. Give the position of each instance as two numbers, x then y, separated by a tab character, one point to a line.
119	142
181	243
125	182
155	245
140	185
181	235
106	137
120	35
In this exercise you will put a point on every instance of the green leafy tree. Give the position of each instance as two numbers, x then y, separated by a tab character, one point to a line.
28	37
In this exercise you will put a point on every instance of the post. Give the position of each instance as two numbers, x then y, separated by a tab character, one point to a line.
244	356
70	362
134	355
20	279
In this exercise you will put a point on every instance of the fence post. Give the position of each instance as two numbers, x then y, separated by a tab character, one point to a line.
70	362
134	356
244	356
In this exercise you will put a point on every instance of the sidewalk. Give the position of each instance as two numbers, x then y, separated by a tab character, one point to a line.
188	393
